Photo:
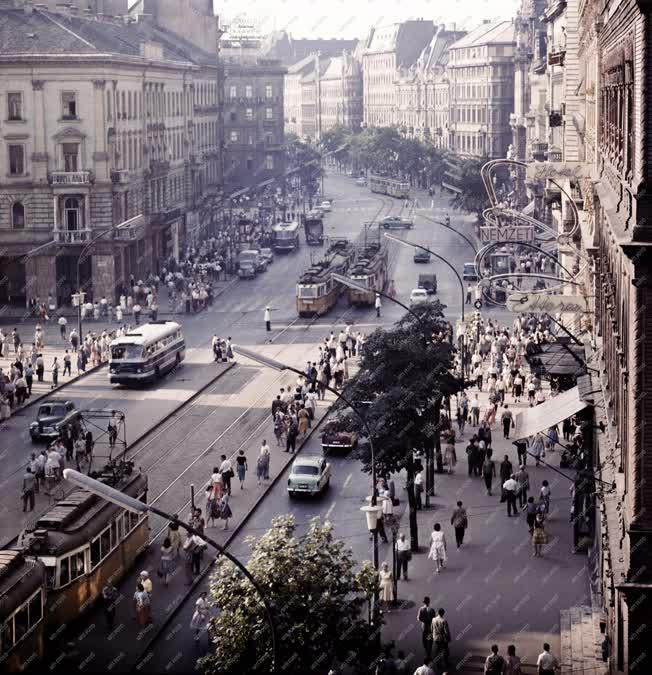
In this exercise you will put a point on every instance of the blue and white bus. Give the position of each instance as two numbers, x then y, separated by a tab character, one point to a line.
146	353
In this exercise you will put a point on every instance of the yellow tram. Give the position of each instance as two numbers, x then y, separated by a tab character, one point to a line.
85	541
394	187
316	290
370	270
22	605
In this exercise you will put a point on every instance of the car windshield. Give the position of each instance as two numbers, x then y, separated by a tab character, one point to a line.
305	470
127	351
247	258
52	410
469	268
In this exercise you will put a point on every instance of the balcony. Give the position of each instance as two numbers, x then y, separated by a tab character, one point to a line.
72	236
120	176
164	218
556	57
132	229
554	155
70	178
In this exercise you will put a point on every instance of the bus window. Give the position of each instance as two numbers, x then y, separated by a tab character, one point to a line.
127	351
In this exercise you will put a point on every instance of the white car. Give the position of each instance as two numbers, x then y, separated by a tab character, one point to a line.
418	295
325	205
309	475
361	182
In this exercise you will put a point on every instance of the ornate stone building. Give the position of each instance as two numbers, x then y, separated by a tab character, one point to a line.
481	75
386	50
341	93
112	136
422	91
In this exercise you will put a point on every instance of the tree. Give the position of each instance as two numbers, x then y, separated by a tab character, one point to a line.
317	599
336	141
473	196
404	374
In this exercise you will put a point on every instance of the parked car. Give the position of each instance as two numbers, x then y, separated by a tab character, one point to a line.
338	441
428	282
360	182
248	264
421	256
325	205
309	475
267	255
469	273
396	223
50	417
418	295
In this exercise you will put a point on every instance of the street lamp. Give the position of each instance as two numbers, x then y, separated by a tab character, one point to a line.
136	506
372	518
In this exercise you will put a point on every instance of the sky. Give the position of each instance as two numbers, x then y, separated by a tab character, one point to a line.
353	18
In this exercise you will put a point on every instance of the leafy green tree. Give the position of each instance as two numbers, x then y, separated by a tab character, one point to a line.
473	196
404	374
317	598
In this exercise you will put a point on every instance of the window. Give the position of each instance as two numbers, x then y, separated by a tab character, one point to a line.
269	162
70	153
17	216
71	567
249	91
249	114
21	622
71	213
250	163
250	139
269	113
16	160
233	137
269	92
69	105
15	106
232	116
233	91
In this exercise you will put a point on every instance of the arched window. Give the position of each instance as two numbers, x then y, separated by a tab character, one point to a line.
17	216
71	214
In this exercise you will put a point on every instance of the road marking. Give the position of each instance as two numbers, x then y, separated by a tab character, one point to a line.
330	510
347	481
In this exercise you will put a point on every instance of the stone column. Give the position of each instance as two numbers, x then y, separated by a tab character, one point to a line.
40	155
100	154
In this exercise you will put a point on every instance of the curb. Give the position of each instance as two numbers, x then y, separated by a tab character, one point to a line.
142	658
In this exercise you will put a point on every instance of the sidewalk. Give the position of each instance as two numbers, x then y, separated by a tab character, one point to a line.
89	643
493	589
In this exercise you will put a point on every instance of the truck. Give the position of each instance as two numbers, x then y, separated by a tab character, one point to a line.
248	264
313	226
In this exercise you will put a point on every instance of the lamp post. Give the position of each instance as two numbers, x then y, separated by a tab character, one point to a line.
370	511
134	505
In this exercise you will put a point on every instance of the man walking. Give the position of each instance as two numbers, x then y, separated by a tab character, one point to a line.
510	487
63	322
505	469
226	469
460	522
425	616
268	319
441	637
67	364
29	487
521	450
507	418
377	305
403	555
495	663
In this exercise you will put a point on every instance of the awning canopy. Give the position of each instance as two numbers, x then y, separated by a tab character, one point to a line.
545	415
557	359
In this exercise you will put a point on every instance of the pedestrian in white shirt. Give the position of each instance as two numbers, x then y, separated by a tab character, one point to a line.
547	663
226	469
403	555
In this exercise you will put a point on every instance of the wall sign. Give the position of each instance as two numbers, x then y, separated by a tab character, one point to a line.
539	302
508	234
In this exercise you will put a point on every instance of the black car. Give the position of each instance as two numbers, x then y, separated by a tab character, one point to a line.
421	256
49	418
428	282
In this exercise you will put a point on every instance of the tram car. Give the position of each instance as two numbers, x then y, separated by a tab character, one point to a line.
22	611
317	292
370	270
84	541
394	187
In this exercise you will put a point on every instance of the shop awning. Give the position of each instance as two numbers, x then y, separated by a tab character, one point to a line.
547	414
558	358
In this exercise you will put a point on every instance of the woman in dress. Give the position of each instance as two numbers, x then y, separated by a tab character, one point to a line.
537	449
200	618
539	537
174	536
553	438
224	510
166	562
450	456
386	584
241	467
264	453
438	547
304	421
279	427
211	501
142	606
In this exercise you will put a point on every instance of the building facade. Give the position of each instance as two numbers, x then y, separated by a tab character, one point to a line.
111	145
386	50
292	94
341	93
481	75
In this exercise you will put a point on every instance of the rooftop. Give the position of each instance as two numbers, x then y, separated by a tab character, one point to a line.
492	32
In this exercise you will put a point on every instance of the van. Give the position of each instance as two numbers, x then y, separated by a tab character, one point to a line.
469	273
428	282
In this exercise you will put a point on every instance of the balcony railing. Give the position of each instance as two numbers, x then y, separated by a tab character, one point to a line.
70	178
72	236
